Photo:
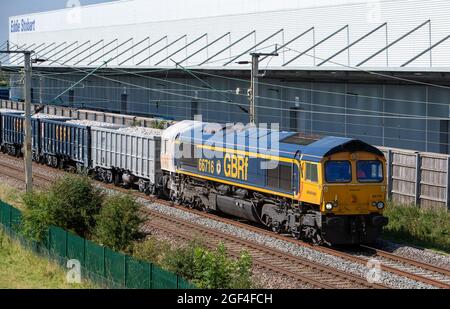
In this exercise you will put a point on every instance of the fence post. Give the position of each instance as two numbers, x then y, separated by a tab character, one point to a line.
151	276
390	170
125	270
448	183
10	219
66	252
418	178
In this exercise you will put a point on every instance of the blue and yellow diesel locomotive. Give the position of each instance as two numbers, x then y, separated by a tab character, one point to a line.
330	190
326	190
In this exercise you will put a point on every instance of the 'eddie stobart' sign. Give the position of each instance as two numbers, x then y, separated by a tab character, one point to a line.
24	25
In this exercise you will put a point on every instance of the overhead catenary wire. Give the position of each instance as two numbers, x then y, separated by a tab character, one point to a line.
334	133
285	49
138	86
264	107
306	89
186	108
349	115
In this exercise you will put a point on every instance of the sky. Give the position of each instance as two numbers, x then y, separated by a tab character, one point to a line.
19	7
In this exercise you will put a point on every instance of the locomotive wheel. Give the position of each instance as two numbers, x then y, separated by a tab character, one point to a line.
48	160
118	179
17	152
80	169
54	162
109	177
142	186
276	229
101	175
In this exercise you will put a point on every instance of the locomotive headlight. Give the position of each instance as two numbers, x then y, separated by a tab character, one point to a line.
380	205
329	206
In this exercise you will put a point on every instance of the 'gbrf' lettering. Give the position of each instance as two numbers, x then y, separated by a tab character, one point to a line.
236	166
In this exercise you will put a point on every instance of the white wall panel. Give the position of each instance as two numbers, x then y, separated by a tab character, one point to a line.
138	19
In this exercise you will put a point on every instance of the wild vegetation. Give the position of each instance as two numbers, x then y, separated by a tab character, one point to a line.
72	203
207	269
159	124
429	228
117	224
114	221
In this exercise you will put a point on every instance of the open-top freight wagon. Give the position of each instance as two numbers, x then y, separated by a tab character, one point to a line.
13	132
67	144
129	156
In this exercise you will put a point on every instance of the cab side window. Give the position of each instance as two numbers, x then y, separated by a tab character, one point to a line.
311	172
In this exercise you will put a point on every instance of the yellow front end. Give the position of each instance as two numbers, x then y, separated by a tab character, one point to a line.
354	197
350	190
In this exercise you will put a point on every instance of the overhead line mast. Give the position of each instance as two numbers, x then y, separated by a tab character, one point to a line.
254	89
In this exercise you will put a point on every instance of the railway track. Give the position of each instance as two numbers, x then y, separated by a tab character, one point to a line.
17	173
415	270
392	263
293	267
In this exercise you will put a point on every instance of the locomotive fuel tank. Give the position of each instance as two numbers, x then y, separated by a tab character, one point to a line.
237	207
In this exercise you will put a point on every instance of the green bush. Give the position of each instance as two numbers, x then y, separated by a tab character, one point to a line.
118	222
151	250
211	269
181	260
37	216
159	124
423	227
76	202
71	203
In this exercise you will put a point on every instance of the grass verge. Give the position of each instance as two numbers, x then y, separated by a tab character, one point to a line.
22	269
11	196
428	228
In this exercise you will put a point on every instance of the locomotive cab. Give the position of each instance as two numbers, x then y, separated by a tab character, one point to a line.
354	183
351	191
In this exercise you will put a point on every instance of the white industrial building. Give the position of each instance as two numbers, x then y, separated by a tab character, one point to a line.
375	70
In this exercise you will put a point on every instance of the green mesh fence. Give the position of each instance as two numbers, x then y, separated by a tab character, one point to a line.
115	265
95	258
75	248
162	279
184	284
6	215
16	218
138	274
57	242
102	265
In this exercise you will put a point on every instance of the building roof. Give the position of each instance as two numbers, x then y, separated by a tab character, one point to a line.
218	33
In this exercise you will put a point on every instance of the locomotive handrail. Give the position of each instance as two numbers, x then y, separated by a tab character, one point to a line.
293	170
